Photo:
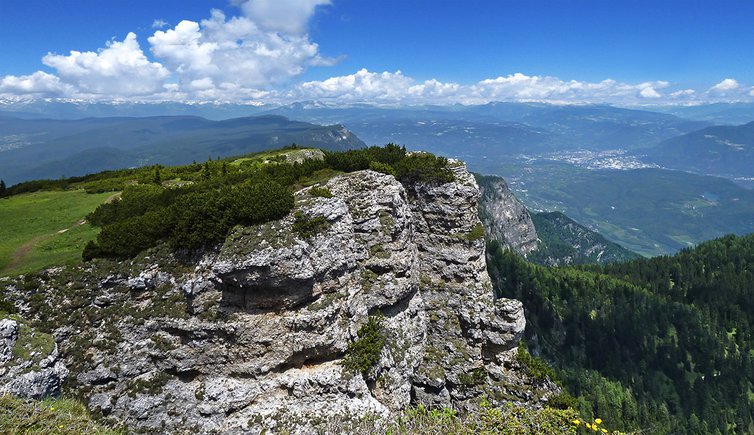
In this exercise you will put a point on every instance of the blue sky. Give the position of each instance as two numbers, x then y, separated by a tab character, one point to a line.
446	51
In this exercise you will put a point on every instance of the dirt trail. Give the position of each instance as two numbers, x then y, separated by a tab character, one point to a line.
20	254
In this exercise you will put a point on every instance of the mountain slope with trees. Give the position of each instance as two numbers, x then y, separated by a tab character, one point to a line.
661	345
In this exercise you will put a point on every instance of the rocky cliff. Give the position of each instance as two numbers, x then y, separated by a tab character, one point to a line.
252	335
505	218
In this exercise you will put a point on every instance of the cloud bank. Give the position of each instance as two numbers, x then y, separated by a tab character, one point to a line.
257	55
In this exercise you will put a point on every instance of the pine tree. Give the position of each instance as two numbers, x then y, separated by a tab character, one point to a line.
3	190
206	172
224	169
157	179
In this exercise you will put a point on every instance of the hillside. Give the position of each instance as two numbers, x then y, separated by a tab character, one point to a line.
551	239
45	228
563	241
722	150
660	345
45	148
500	129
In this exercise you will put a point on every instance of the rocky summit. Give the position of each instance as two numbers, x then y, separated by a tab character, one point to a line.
257	334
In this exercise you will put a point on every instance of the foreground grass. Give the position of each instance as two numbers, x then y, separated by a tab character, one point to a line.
508	420
50	416
31	229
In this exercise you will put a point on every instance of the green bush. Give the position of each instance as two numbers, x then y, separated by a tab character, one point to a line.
423	168
363	354
307	227
383	168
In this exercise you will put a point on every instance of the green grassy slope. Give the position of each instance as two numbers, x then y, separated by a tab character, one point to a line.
31	225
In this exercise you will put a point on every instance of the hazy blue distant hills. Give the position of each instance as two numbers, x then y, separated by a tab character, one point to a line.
717	113
504	128
61	109
721	150
45	148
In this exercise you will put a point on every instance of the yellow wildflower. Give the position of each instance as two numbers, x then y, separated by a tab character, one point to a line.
604	430
576	422
598	421
588	426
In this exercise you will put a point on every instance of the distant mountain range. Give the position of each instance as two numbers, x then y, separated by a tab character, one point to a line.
501	128
722	150
45	148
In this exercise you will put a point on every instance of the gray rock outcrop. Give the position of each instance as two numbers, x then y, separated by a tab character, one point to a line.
252	336
30	366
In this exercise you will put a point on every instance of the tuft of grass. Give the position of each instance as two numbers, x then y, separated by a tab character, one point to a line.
50	416
485	419
32	236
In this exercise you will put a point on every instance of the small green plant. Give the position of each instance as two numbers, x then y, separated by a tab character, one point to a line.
322	192
477	232
474	377
363	354
308	227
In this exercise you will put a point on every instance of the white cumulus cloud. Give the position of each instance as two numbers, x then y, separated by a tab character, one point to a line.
239	54
120	69
38	84
725	86
285	16
397	88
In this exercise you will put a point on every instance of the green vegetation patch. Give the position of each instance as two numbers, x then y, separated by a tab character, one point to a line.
50	416
363	354
308	227
45	228
191	206
484	419
322	192
32	345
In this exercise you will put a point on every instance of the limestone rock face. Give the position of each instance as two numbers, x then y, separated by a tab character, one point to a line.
505	218
252	335
34	370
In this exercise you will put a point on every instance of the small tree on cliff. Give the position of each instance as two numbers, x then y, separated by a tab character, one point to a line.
3	190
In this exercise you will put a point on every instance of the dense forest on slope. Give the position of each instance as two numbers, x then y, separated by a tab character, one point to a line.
661	345
563	241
